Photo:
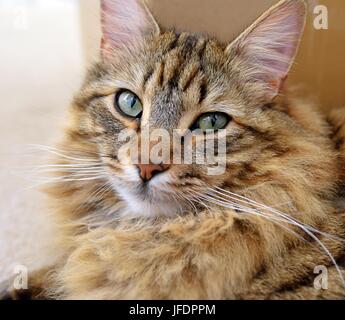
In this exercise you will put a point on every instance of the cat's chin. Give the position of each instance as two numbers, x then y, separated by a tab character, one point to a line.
147	209
147	199
138	205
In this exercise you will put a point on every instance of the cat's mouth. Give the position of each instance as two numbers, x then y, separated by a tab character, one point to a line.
147	198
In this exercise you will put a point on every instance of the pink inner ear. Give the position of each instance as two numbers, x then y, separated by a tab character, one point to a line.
272	44
124	22
279	38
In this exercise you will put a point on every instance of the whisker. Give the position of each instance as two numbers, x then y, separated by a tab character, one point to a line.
61	153
235	196
307	229
189	202
239	208
194	197
46	182
62	166
67	170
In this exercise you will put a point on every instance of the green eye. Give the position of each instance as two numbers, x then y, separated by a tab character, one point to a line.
212	121
129	104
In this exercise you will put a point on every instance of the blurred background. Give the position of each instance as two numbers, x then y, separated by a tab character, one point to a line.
46	47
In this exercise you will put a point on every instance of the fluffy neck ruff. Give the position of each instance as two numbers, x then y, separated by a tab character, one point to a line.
217	254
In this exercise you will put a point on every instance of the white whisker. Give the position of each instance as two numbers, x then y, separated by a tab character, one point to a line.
61	154
239	198
279	216
239	208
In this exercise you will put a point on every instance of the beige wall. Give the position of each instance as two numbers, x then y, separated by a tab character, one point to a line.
90	28
223	19
41	65
320	64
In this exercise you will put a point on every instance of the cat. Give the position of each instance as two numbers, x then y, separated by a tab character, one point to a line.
262	229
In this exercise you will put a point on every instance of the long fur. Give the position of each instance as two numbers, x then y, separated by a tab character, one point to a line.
257	231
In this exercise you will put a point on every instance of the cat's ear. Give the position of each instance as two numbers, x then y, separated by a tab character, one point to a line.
125	23
266	50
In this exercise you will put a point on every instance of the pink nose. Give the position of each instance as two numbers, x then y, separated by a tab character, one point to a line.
148	171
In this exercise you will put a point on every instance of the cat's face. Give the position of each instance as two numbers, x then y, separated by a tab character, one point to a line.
150	79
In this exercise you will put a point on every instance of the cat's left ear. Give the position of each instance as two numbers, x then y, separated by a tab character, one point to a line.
125	23
265	52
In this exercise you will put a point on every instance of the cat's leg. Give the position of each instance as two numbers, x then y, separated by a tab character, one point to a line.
37	287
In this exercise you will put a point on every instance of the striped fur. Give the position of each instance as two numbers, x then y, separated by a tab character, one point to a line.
281	153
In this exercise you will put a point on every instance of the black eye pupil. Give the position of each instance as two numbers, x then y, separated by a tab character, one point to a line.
128	104
133	101
211	121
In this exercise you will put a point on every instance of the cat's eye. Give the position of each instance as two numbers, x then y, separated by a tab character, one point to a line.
211	121
129	104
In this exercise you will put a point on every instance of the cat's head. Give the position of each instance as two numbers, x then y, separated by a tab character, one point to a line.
154	79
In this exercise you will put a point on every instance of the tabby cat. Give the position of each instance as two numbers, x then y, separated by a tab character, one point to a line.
262	229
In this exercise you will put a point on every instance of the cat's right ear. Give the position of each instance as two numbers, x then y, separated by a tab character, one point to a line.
265	52
124	24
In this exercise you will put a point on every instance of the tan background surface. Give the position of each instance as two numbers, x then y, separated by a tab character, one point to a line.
45	47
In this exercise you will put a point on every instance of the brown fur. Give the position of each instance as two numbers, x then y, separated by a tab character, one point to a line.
222	255
283	154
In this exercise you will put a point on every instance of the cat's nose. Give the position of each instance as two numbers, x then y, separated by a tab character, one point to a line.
148	171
